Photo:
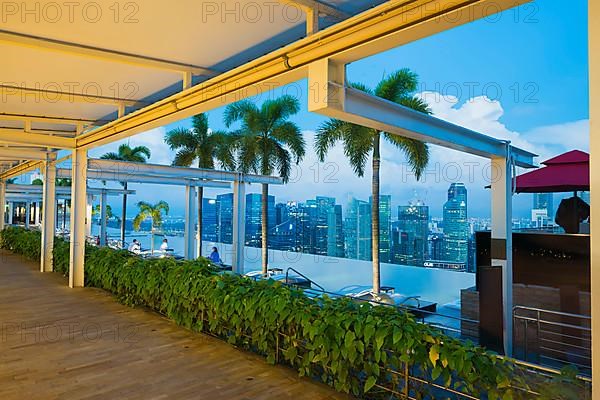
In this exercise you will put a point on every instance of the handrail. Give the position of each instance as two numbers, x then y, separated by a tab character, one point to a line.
303	276
564	314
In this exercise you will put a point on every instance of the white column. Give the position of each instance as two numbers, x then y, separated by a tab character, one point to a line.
27	213
2	203
239	226
190	222
88	215
48	216
11	209
594	84
103	218
501	243
78	216
36	216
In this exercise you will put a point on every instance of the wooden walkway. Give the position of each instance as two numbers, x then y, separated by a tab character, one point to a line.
61	343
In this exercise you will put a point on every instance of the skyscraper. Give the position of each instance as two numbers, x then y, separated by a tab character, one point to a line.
224	210
542	211
456	225
413	230
335	232
385	227
358	229
254	218
209	219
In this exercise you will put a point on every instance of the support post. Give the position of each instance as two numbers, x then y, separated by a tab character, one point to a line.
48	216
27	213
78	216
312	21
2	204
88	215
190	222
501	242
11	209
239	226
103	218
36	213
594	85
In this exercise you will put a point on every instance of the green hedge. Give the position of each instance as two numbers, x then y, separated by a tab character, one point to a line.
347	345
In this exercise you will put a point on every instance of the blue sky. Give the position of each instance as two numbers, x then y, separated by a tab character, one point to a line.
520	75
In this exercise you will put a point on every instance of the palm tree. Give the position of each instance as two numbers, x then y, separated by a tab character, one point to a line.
204	146
139	154
361	142
154	212
266	142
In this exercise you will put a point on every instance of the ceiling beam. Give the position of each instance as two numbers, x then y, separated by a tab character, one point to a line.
7	153
318	7
20	169
389	25
54	96
50	119
20	137
25	40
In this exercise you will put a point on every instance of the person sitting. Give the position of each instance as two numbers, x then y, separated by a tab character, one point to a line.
214	256
135	247
164	247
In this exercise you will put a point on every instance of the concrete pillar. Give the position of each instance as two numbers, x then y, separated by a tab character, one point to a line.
49	216
78	217
88	215
190	223
36	215
27	213
2	204
103	218
501	243
239	226
594	82
11	209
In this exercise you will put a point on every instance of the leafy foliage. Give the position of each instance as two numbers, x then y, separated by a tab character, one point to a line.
353	347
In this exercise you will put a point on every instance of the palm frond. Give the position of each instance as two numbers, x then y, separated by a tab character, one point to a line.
398	85
328	133
417	152
239	111
289	134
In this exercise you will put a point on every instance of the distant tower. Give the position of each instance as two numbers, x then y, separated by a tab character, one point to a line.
542	210
358	229
413	230
456	224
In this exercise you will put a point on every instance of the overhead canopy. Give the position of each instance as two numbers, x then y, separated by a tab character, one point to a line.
568	172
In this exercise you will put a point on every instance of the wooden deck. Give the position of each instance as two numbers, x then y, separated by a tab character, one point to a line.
61	343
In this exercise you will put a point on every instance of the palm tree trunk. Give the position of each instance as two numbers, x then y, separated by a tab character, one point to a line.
375	214
264	228
124	215
200	203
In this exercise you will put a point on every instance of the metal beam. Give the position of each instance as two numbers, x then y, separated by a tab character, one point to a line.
53	96
26	40
139	178
20	169
16	189
317	6
123	170
353	105
7	153
389	25
20	137
50	119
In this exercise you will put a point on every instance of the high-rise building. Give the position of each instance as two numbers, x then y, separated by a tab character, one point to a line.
335	232
209	219
456	225
385	227
224	210
436	247
412	233
542	210
322	208
358	229
254	218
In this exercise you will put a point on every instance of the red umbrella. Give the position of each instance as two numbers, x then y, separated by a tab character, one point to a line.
568	172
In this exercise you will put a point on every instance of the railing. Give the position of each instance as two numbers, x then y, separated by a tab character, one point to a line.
287	274
553	338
